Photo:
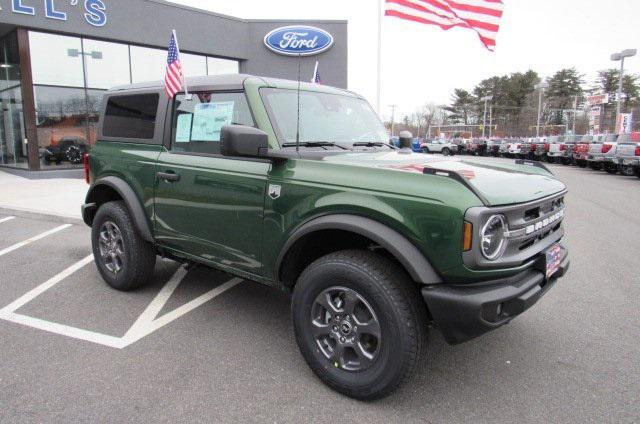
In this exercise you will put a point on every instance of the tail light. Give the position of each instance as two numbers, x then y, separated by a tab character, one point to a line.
563	147
533	147
606	148
547	146
87	168
638	151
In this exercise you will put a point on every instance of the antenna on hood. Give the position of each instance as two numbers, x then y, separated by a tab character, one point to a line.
298	125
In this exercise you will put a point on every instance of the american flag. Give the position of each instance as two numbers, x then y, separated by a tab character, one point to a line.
316	76
174	78
482	16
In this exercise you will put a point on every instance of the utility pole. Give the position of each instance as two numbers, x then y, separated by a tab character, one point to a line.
490	120
540	87
393	119
484	119
575	113
620	57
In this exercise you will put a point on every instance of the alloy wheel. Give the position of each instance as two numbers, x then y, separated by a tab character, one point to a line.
346	329
111	246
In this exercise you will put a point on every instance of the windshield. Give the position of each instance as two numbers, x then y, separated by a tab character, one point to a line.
328	118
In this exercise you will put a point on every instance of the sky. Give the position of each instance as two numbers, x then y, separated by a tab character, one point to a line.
423	64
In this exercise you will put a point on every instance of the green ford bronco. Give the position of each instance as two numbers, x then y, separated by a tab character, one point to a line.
301	190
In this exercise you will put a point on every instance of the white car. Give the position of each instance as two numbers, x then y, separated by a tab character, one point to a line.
439	146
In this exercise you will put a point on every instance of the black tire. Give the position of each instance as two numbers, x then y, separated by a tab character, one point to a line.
446	151
392	297
596	166
135	257
565	161
627	170
611	168
551	159
426	151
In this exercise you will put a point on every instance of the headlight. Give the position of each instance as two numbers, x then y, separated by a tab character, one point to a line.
492	239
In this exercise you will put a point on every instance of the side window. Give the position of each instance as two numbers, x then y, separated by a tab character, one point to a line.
197	120
131	116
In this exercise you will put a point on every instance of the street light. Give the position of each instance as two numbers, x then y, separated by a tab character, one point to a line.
540	87
485	99
620	57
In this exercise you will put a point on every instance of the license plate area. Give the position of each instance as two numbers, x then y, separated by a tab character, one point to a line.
553	258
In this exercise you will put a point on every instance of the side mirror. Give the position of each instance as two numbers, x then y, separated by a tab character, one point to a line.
240	140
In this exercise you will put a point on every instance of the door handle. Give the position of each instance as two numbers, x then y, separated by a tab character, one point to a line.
168	176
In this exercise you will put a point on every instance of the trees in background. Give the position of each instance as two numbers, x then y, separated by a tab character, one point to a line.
514	103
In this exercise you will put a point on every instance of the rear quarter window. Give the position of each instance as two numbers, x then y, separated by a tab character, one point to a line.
131	116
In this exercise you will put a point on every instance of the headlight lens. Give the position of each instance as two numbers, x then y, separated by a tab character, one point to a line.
492	239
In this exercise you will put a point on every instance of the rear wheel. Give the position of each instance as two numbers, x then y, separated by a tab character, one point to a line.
446	151
124	259
565	161
627	170
360	323
425	150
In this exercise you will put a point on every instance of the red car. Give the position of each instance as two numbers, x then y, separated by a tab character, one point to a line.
581	151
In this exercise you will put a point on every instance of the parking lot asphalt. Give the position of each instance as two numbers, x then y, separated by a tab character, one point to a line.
218	350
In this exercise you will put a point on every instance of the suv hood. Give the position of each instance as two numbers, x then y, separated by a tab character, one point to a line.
495	182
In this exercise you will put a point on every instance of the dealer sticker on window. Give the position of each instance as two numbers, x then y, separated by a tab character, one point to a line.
554	257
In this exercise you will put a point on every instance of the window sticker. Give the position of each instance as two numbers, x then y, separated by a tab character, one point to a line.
209	118
183	128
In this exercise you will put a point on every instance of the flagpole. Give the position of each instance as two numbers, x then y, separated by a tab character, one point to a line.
184	79
379	82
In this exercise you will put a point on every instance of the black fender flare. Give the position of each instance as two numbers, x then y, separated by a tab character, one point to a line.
416	264
130	199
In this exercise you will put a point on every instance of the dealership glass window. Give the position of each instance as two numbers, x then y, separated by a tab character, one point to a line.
107	64
9	62
53	61
62	122
193	65
13	149
217	66
147	64
197	121
132	116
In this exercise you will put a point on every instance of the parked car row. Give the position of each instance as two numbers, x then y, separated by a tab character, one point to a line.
610	152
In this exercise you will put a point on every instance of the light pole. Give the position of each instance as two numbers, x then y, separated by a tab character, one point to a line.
393	118
540	87
490	120
485	99
620	57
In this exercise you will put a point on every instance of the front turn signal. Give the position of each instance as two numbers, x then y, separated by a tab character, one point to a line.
467	236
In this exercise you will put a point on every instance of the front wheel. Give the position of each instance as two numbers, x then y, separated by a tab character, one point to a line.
360	323
124	259
446	151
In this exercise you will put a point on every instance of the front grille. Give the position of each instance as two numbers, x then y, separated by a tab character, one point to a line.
533	227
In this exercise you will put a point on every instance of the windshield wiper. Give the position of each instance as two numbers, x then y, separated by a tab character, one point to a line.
315	144
373	144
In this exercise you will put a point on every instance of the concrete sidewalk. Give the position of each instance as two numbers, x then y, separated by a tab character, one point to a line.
55	196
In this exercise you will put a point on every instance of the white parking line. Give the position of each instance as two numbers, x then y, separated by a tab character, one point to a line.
146	323
32	239
7	219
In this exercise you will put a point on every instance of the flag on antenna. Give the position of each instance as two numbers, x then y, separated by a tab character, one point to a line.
316	75
174	77
482	16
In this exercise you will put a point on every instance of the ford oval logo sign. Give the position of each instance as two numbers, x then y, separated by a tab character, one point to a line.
298	40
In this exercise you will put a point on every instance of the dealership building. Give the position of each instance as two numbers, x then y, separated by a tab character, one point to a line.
57	57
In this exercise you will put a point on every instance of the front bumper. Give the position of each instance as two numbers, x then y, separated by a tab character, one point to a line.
463	312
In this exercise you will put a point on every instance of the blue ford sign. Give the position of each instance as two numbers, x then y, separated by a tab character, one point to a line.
298	40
